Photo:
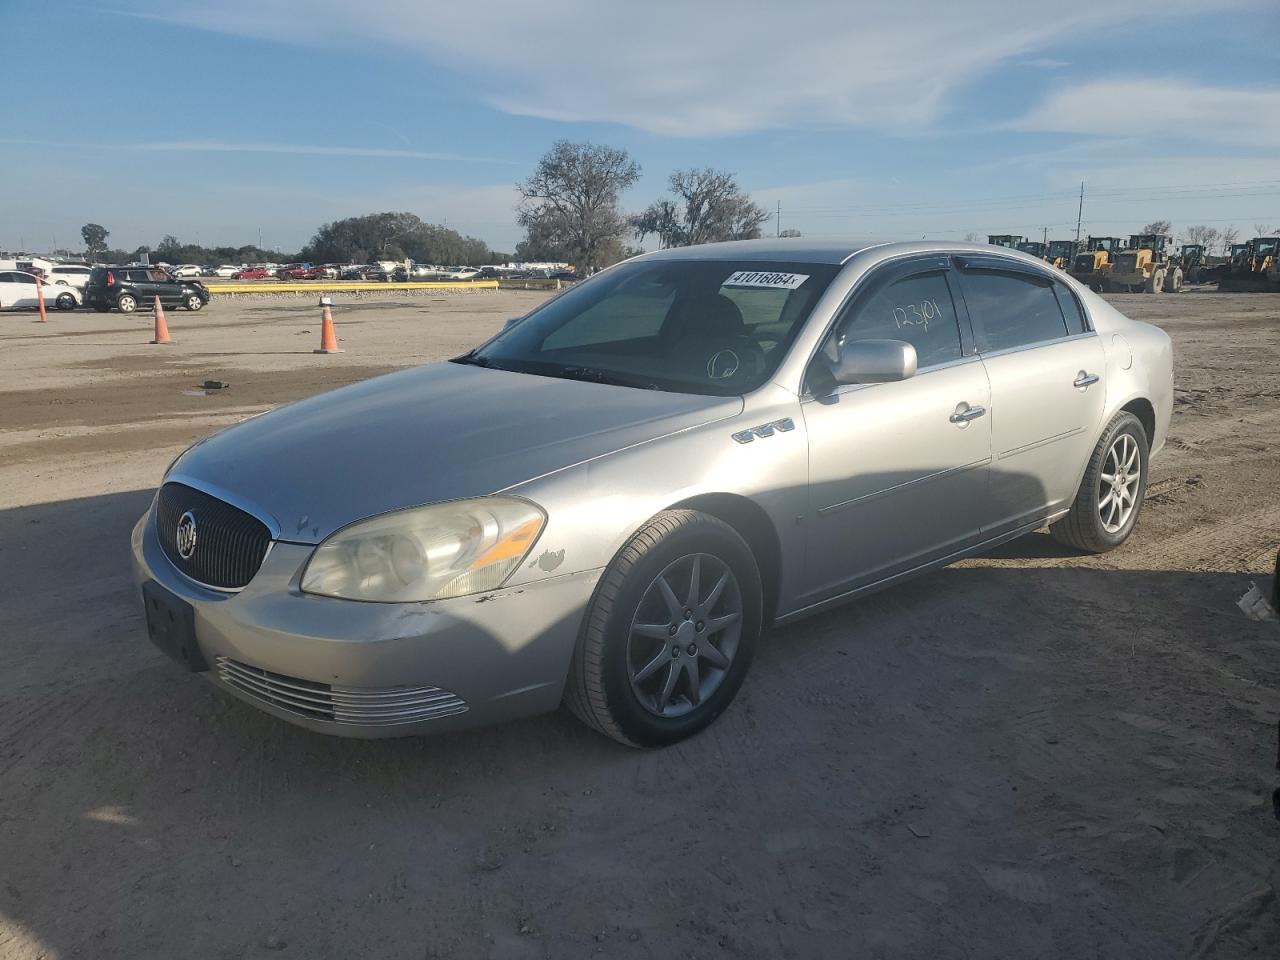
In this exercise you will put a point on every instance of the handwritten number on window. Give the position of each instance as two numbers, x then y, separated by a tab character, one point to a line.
917	314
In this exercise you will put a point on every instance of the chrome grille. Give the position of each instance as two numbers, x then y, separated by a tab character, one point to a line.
230	544
365	706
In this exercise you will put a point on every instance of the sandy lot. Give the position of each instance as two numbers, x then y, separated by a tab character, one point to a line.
1032	754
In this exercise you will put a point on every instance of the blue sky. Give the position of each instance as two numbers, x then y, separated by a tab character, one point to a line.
221	122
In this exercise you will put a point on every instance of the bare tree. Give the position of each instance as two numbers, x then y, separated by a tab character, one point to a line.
1261	230
1204	235
706	206
971	237
571	201
1228	237
1161	227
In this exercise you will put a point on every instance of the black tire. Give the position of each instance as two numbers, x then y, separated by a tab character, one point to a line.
65	301
1083	526
193	302
599	689
1154	283
126	303
1173	281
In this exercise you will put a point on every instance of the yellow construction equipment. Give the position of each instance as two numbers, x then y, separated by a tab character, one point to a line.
1145	267
1093	265
1005	240
1254	269
1034	247
1061	253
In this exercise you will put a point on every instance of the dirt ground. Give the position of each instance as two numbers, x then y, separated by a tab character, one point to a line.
1031	754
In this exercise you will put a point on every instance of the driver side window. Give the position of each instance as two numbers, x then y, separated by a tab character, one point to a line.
918	309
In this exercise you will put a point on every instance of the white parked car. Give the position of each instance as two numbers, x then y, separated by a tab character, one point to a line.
225	271
69	275
18	292
185	270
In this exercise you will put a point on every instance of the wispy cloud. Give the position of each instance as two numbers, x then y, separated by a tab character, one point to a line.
302	149
1044	63
1160	107
709	68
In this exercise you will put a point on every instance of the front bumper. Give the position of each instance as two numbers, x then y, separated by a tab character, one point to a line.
319	662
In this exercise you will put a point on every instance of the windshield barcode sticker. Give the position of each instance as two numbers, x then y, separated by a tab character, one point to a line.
776	281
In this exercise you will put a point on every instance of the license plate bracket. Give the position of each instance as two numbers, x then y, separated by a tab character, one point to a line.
171	625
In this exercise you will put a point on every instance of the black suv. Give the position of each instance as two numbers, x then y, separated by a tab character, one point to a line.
127	288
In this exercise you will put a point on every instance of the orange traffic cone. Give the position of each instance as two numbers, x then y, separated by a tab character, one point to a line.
162	328
328	339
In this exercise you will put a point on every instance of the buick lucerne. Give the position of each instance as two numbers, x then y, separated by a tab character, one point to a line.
606	504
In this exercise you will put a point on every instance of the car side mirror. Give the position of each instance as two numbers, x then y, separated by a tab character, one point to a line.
874	361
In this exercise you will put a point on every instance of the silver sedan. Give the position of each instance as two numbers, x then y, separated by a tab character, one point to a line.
606	504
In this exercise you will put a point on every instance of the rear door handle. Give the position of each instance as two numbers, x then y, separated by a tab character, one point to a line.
1085	380
964	413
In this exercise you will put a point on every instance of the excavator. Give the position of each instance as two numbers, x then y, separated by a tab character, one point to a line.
1005	240
1092	266
1145	267
1255	269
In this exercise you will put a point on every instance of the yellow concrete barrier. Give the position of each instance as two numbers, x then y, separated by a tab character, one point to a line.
334	286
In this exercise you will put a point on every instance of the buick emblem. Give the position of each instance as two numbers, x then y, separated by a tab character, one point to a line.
186	535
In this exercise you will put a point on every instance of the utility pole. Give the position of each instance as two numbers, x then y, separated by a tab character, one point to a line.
1079	214
777	221
1045	238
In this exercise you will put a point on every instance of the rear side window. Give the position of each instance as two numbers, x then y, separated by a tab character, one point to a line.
1070	309
1012	309
916	309
137	276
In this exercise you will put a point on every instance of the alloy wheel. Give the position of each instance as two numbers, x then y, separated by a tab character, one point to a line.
1118	483
684	635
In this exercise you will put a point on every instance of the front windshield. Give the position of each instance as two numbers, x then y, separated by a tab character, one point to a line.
716	327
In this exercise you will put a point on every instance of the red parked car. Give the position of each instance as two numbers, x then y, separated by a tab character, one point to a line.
251	273
295	271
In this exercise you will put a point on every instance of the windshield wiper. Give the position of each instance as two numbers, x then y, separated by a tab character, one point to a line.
474	359
594	375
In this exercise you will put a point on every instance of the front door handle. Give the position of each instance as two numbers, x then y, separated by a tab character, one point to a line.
964	413
1084	380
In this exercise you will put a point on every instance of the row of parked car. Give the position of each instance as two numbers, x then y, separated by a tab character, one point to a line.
386	270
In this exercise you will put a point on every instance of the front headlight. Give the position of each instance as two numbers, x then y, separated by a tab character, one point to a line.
427	553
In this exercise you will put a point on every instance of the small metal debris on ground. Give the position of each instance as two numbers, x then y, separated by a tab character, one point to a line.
216	384
1255	605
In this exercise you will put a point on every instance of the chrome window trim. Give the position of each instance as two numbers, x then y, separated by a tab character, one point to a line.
1038	344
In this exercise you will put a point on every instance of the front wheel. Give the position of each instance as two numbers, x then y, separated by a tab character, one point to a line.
65	301
1110	495
193	302
670	632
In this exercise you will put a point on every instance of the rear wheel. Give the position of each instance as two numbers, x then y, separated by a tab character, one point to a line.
1155	282
1173	281
65	301
126	303
1110	495
670	632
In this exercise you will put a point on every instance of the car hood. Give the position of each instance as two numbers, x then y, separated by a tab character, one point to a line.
438	432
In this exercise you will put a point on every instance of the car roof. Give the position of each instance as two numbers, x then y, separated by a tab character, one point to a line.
789	249
799	250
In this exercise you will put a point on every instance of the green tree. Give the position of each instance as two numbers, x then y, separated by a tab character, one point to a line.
95	240
706	206
392	236
570	203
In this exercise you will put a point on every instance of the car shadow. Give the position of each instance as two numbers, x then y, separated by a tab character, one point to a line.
1078	757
